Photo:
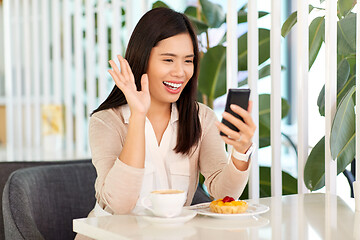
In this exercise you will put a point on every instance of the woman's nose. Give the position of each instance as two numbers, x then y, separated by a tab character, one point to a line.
178	70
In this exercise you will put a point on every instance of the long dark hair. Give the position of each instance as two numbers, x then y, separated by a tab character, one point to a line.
156	25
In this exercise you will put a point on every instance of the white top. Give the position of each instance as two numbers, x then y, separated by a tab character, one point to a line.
160	159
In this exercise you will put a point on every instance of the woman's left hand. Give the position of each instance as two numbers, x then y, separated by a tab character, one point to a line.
241	140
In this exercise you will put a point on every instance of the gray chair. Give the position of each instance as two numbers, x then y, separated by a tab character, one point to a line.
41	202
6	168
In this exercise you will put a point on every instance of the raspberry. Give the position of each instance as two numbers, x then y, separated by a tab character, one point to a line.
228	199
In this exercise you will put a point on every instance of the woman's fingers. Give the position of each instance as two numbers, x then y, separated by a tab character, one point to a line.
129	71
227	131
245	115
250	106
144	83
124	75
123	67
243	127
116	79
115	67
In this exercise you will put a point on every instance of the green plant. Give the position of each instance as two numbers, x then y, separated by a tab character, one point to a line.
212	77
342	140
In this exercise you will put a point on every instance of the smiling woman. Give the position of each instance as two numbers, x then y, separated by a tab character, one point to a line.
170	65
151	133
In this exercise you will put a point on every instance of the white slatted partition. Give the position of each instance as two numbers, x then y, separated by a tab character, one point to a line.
90	61
27	73
275	53
57	66
79	78
68	81
103	53
302	89
357	155
56	52
90	56
36	73
45	29
115	30
232	48
253	62
18	115
330	90
8	12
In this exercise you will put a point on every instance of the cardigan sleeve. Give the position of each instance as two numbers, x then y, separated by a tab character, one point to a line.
117	185
222	178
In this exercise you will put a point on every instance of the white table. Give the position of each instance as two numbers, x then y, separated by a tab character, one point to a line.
310	216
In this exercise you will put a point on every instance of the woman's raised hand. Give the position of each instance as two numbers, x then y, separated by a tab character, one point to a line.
139	101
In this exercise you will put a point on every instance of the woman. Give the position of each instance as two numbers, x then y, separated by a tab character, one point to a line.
150	133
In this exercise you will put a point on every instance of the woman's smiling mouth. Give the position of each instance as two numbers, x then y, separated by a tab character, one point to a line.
172	86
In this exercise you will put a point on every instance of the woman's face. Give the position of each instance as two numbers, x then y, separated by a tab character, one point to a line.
170	67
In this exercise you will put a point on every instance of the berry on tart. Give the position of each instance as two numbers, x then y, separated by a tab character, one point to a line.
228	205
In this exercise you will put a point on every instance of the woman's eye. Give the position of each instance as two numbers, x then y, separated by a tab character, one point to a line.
168	60
189	61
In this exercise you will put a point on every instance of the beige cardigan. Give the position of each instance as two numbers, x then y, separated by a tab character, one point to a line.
118	185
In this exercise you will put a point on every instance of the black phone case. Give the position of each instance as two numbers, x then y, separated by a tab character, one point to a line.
239	97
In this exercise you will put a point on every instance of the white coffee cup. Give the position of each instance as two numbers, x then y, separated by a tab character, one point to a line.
165	203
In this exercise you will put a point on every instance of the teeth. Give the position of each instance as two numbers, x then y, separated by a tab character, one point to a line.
173	85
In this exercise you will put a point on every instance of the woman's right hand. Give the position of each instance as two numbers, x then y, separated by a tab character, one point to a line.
139	101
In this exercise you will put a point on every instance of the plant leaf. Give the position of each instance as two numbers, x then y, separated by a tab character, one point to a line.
199	26
212	77
314	171
263	72
346	35
316	38
242	18
343	127
289	183
343	82
191	11
214	13
345	6
264	117
290	22
159	4
242	15
264	48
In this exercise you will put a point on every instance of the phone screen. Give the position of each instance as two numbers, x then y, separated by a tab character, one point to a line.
238	97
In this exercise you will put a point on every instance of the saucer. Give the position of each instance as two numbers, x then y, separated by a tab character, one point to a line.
185	216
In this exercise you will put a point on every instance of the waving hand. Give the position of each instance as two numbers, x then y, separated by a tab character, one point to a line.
139	101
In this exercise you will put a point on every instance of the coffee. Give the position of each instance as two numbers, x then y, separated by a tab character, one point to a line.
169	191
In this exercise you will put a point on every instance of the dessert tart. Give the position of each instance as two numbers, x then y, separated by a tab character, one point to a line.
228	205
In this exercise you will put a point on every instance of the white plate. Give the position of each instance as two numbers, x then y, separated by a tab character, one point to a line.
231	224
185	216
253	209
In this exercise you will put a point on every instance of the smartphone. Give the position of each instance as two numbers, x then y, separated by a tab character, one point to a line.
238	97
